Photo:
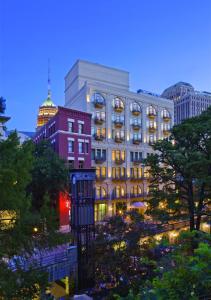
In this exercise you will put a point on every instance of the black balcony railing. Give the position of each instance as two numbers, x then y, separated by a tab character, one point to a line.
137	195
119	177
136	126
119	196
166	131
100	159
119	139
152	128
99	137
102	197
136	141
99	120
166	118
99	103
118	108
151	114
137	160
118	123
100	177
119	161
136	111
136	177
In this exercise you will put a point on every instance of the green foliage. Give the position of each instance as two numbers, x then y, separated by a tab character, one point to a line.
189	279
119	260
49	176
181	172
18	166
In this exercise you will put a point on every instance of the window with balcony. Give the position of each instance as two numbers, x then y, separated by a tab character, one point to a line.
118	120
165	114
100	134
135	123
135	191
136	138
99	117
100	193
152	126
98	100
101	172
118	156
118	173
136	157
118	104
135	108
151	111
152	139
118	135
135	173
99	155
118	192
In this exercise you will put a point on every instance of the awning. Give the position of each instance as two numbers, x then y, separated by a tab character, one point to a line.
138	205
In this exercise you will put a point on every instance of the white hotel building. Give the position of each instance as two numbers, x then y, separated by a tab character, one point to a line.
124	124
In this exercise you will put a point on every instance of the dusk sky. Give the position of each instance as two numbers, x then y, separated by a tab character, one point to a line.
160	42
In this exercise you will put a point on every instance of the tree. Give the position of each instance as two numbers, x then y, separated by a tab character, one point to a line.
189	279
18	239
118	259
181	172
49	176
183	274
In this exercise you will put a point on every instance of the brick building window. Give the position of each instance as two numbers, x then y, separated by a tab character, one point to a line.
71	164
70	146
80	147
70	126
80	128
80	164
87	147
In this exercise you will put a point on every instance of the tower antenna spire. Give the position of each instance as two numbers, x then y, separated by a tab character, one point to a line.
49	80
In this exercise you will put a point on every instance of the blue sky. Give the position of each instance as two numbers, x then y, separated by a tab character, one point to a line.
159	42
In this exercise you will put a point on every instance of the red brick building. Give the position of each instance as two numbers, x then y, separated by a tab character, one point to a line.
69	133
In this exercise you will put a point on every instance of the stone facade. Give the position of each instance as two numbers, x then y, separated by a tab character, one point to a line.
124	124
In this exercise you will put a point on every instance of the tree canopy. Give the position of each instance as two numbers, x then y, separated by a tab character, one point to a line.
20	166
181	172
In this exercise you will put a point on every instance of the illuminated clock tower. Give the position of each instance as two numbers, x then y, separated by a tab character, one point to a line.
47	110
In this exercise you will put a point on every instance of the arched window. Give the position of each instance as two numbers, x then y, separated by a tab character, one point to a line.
98	100
151	111
165	114
118	104
135	108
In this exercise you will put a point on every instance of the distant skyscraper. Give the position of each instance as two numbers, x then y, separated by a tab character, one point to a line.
187	101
